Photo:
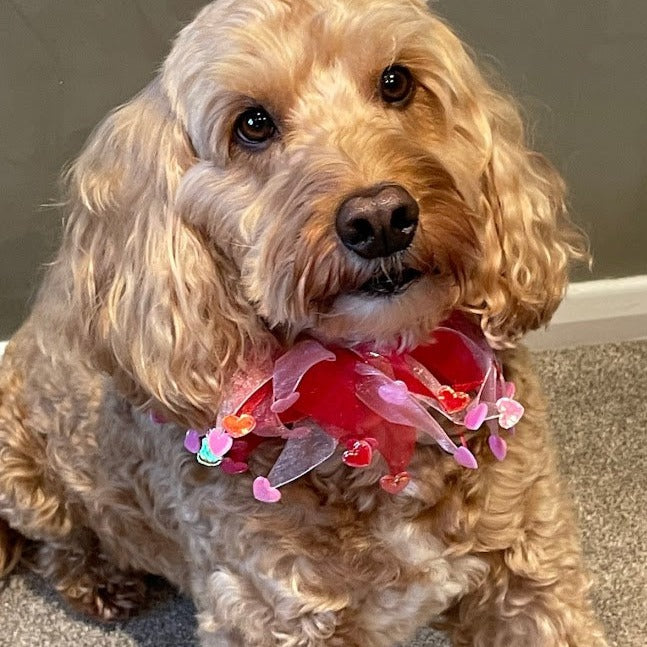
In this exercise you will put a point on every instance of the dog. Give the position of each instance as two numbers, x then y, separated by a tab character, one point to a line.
337	170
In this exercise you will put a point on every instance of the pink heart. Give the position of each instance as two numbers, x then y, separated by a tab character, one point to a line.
394	392
219	442
263	491
510	412
230	466
192	441
465	458
157	418
476	417
280	406
498	447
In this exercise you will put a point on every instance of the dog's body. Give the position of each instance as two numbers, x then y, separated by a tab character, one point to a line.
187	244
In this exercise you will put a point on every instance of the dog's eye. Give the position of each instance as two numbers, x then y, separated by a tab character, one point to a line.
396	84
254	127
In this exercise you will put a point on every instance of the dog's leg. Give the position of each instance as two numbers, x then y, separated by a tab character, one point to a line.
529	609
88	580
526	611
11	546
29	501
241	609
220	639
33	503
536	593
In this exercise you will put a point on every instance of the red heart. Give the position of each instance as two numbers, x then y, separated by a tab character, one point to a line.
239	426
239	451
349	441
452	401
359	455
230	466
395	483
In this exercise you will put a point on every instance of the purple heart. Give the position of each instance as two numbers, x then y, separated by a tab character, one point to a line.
279	406
219	442
476	417
498	447
394	392
192	441
465	458
263	491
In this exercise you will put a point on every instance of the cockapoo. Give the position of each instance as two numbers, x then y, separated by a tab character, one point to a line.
329	170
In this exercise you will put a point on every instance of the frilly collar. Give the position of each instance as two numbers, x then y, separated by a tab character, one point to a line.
318	397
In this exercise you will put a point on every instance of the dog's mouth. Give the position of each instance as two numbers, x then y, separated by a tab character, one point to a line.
386	284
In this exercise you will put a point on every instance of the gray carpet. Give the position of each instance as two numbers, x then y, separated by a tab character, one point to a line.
599	404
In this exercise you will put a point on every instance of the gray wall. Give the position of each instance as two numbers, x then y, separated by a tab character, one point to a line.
578	66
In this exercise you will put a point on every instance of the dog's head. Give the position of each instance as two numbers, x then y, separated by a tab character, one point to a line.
335	167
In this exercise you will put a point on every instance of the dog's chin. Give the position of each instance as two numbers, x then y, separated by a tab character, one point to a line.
387	315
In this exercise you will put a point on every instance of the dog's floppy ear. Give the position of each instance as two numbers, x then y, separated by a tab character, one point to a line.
527	238
140	291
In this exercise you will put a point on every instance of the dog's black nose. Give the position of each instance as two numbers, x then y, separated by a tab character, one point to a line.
378	222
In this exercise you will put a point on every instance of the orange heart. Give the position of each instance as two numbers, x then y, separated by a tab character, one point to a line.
395	483
239	426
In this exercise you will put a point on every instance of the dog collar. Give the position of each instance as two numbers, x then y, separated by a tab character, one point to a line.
317	398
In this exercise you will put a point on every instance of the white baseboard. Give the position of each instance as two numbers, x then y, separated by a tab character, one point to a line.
597	312
593	312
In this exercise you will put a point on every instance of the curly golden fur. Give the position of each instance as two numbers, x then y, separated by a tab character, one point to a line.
186	255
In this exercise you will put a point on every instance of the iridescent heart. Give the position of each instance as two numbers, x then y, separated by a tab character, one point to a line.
510	412
206	457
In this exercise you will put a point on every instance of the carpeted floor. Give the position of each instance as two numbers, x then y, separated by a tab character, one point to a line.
599	407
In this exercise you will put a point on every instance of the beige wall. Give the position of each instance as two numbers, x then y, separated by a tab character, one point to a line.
580	67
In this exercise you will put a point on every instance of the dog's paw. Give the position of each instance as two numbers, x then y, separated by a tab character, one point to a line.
106	599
